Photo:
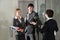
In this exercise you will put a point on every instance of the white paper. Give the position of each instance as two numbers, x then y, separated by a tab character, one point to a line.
13	27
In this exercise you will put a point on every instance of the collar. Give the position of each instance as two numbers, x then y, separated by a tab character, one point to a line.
30	12
16	17
49	19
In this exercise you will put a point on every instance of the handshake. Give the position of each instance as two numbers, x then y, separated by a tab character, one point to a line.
17	28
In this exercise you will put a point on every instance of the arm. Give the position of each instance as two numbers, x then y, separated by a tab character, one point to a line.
37	20
43	28
15	26
56	27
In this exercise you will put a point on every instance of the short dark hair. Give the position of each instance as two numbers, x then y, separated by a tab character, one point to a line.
31	5
18	9
50	13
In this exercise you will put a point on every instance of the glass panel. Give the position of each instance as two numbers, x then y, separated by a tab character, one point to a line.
41	6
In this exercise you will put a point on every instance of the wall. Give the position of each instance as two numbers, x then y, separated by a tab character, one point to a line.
7	9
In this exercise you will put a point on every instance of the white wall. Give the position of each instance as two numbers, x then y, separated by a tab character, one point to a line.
7	9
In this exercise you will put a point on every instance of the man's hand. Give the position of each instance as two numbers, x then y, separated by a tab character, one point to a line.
34	23
42	26
55	33
19	29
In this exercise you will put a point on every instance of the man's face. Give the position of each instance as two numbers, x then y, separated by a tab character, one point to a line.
18	13
30	8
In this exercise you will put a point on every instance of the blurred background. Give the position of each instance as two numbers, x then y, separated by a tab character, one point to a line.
7	10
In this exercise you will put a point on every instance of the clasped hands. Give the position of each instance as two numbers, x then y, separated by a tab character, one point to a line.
19	29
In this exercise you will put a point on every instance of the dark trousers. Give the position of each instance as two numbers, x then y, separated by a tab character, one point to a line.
34	36
20	37
48	37
34	33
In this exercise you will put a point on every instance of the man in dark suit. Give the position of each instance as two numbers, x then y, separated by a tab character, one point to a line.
18	22
32	20
50	27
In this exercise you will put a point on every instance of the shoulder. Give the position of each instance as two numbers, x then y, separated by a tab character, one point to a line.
52	21
36	13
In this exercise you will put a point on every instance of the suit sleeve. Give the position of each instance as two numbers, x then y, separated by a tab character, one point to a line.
44	29
39	23
55	26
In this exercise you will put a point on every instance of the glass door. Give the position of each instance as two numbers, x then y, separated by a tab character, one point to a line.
41	7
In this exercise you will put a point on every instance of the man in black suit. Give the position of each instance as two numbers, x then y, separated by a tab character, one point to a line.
32	20
18	22
50	27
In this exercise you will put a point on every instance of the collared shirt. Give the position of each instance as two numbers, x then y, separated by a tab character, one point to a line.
18	19
28	16
49	19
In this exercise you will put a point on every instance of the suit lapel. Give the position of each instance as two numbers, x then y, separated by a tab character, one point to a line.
31	16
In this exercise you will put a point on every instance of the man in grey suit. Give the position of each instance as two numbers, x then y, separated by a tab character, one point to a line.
32	21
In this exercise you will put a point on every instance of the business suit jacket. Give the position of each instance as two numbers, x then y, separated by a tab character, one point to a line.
33	17
48	29
19	24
